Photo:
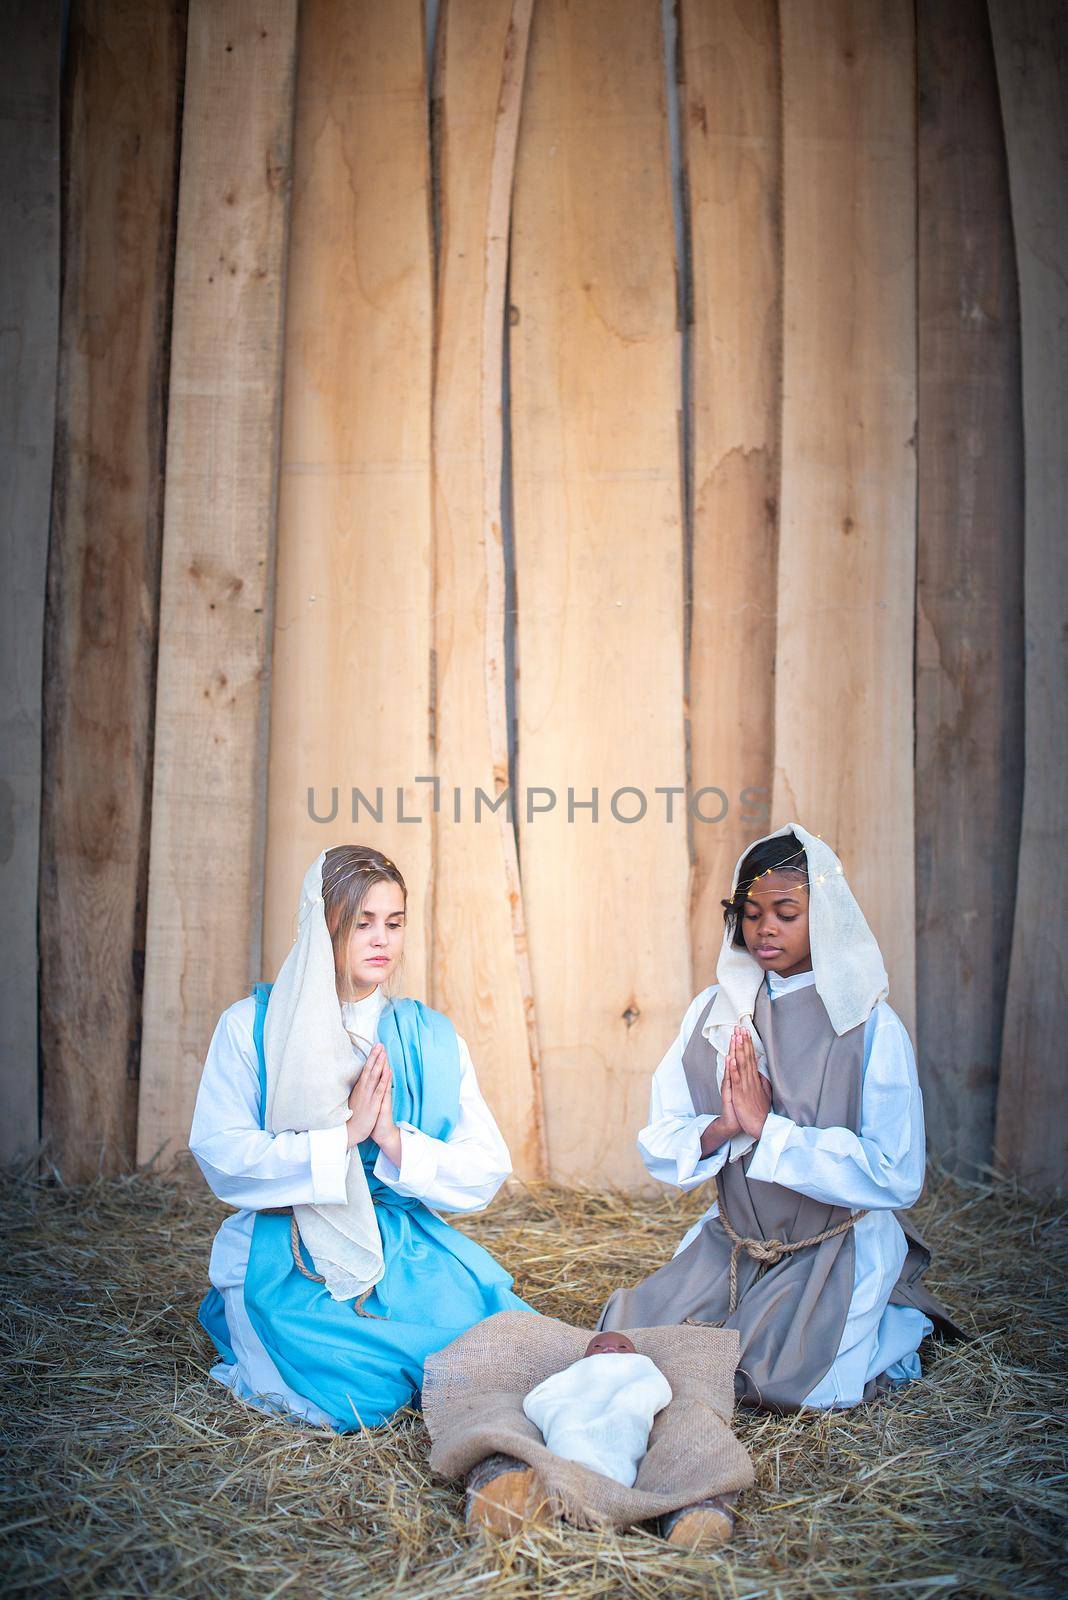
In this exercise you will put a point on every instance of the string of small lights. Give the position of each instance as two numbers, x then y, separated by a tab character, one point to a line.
785	866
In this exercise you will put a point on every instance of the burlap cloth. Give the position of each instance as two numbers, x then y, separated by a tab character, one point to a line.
473	1394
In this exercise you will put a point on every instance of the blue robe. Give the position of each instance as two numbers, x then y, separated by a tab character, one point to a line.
437	1283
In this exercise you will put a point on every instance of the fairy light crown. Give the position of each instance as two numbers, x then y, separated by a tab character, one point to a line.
786	866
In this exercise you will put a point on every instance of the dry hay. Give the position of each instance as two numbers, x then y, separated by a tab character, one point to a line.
130	1473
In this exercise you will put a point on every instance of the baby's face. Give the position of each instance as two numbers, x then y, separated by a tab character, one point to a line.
603	1344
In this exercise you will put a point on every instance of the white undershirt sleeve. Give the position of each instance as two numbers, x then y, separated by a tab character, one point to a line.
670	1145
243	1164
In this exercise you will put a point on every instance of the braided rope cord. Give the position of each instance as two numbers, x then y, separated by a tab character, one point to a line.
770	1251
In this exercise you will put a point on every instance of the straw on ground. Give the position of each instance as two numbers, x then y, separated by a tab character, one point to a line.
130	1473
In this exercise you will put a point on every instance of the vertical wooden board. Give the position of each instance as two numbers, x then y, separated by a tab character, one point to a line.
969	580
350	682
481	973
351	677
599	571
843	683
1031	50
123	77
29	315
731	120
205	860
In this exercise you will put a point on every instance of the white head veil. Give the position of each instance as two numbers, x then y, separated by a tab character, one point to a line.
311	1068
847	965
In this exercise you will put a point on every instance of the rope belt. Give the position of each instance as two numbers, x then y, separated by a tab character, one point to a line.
294	1244
769	1251
294	1240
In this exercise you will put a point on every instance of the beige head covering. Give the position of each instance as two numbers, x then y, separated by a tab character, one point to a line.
847	965
311	1067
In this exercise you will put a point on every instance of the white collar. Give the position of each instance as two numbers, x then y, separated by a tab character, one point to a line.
363	1011
799	980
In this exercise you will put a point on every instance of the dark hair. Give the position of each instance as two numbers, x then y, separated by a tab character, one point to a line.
784	853
348	872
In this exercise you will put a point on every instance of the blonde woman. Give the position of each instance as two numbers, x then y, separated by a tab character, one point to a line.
333	1117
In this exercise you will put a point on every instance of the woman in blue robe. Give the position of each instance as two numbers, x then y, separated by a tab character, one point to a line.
287	1341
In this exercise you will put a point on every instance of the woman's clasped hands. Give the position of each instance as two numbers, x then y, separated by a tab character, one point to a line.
745	1091
371	1106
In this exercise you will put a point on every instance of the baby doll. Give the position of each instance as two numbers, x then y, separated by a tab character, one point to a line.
595	1463
599	1410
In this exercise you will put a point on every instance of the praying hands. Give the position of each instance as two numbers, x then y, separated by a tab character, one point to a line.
369	1094
371	1105
746	1092
746	1096
385	1132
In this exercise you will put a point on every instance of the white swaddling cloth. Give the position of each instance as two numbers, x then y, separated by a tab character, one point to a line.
599	1411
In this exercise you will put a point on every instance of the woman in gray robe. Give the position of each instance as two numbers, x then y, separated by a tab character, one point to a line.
793	1084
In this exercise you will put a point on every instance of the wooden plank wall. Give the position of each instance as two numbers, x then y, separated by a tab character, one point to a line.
732	132
969	580
122	83
350	691
599	571
481	971
791	548
205	863
29	317
1031	48
843	678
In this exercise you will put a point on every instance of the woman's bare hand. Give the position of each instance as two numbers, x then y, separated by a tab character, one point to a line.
745	1088
718	1132
385	1132
729	1116
726	1125
365	1101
